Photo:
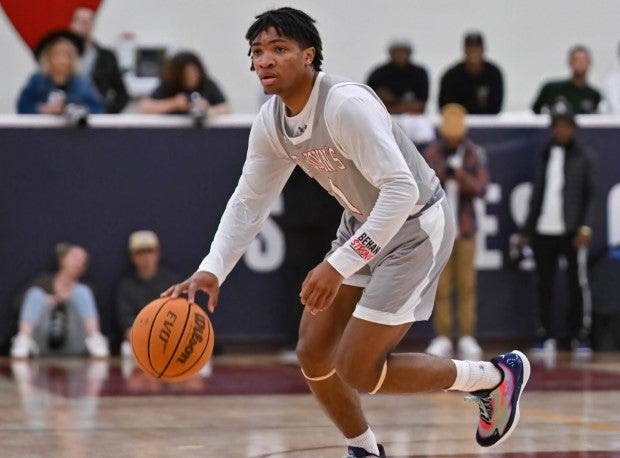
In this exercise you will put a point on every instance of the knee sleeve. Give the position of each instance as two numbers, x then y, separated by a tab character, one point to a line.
381	379
318	379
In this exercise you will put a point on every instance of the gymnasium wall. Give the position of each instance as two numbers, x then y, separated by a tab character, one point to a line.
528	38
95	186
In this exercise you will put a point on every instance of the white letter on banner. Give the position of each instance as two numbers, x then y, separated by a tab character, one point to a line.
267	250
613	216
520	203
519	208
487	226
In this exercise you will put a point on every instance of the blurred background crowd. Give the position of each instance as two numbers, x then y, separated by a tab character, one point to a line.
70	71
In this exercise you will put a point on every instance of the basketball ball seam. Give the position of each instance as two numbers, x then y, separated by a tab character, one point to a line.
173	354
148	347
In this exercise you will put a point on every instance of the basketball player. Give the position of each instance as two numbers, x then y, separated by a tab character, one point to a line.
394	239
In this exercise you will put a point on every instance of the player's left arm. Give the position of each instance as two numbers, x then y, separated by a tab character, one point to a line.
363	130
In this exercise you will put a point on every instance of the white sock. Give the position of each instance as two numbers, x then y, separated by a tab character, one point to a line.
367	441
475	375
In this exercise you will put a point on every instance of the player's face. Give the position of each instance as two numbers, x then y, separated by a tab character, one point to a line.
280	63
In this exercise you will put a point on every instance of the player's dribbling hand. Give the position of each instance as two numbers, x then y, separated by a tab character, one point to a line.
320	287
203	281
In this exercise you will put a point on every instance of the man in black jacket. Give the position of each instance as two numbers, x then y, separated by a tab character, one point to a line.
99	64
559	223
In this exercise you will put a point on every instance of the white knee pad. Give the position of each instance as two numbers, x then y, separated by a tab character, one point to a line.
318	379
381	379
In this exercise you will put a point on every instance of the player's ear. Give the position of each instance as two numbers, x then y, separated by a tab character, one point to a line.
309	54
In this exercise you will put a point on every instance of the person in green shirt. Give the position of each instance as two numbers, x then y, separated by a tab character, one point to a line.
583	98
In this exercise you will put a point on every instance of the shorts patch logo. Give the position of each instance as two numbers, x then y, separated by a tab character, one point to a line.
365	246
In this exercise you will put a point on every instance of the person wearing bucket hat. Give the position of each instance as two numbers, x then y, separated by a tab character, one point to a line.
461	167
56	85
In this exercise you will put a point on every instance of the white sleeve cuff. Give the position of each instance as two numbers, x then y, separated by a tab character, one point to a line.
346	261
211	264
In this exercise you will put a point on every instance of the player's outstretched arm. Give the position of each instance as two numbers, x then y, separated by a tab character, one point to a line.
201	280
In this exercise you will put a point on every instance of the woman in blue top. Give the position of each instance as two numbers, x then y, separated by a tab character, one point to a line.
57	82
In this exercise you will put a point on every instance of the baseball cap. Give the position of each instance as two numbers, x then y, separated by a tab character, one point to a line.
474	38
143	240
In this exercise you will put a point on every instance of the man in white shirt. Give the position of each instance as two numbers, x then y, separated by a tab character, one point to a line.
394	239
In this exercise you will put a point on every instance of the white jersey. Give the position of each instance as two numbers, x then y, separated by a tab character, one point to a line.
345	139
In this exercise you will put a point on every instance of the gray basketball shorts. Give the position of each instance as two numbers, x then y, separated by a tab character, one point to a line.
400	282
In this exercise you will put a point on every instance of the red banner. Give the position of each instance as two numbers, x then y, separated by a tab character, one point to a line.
34	18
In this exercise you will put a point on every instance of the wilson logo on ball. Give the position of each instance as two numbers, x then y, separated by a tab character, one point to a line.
196	337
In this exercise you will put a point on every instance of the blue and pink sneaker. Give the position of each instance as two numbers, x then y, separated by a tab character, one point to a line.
499	407
356	452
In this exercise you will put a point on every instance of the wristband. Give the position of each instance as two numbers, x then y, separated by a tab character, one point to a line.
585	230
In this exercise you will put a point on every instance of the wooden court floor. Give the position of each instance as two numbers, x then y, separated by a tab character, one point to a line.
257	407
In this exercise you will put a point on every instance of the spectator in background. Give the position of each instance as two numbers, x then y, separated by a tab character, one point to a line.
612	88
475	83
143	284
583	98
401	85
99	64
52	303
460	165
57	83
185	87
558	224
403	88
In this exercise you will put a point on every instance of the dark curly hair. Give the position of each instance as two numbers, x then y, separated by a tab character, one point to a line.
173	71
291	23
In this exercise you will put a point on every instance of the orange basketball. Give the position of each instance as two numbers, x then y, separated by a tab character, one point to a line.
172	339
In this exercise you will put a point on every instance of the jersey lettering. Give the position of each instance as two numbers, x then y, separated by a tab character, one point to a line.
324	158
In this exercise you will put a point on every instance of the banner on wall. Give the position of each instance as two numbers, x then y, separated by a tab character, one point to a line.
95	186
32	19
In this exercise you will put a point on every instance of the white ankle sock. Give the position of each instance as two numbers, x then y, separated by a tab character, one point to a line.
475	375
367	441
